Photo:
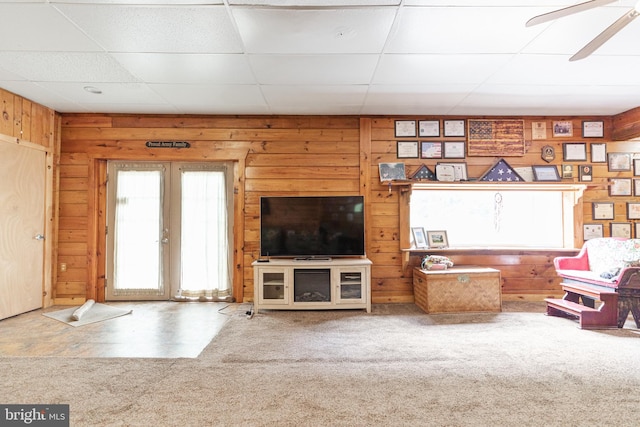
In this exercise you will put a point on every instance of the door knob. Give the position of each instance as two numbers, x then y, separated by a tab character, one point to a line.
39	237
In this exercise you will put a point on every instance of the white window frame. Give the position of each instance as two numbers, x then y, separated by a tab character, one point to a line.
571	196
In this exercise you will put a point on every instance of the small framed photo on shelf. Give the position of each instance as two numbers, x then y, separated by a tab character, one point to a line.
454	128
620	186
567	171
602	210
431	150
599	153
633	210
392	171
636	167
545	173
593	129
407	150
619	162
585	173
562	128
592	231
621	229
405	128
419	237
437	239
429	128
453	150
574	152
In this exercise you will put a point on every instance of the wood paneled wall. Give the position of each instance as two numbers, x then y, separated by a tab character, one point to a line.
290	155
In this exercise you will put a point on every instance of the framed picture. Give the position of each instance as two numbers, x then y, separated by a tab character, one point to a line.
593	129
574	151
431	150
453	150
637	229
636	187
619	161
539	130
598	153
602	210
567	171
633	210
620	186
429	128
454	128
585	172
459	170
636	167
405	128
621	229
592	231
545	173
419	238
407	150
392	171
437	239
563	128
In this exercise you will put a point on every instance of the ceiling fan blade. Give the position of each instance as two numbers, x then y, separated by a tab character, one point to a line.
594	44
569	10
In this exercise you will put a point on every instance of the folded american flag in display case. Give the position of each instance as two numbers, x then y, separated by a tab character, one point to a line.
501	172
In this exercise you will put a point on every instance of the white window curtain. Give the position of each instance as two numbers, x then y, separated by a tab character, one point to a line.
204	271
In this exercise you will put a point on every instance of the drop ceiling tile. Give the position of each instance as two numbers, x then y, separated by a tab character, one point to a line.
313	69
547	100
214	98
310	99
187	68
556	70
185	29
64	67
571	33
450	30
40	27
434	69
308	31
414	99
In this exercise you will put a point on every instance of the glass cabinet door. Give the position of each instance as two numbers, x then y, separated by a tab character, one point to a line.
350	286
274	286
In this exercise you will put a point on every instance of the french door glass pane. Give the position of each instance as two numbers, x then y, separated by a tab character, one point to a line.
138	225
204	246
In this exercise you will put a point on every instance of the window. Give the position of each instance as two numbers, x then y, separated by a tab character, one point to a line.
477	215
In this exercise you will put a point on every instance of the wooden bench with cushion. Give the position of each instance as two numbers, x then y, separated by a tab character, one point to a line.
601	283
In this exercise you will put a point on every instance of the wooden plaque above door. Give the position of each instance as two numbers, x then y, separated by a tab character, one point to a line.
496	138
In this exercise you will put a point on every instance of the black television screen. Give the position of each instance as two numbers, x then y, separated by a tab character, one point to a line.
322	226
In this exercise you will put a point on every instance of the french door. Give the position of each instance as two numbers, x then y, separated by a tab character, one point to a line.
168	231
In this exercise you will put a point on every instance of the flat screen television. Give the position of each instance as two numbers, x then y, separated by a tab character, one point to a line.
316	226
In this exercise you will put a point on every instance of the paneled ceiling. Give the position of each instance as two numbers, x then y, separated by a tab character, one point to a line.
354	57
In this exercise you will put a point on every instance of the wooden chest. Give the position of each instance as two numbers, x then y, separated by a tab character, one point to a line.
457	289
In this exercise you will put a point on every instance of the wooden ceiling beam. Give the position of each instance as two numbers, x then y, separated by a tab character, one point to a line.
626	125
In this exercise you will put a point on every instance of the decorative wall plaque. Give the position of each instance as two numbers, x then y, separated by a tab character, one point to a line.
496	138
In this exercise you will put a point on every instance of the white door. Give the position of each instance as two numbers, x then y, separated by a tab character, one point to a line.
168	231
22	222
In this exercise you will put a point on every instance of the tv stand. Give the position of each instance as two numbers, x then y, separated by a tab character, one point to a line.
306	284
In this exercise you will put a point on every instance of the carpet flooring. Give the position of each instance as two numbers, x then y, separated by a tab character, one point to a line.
394	367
